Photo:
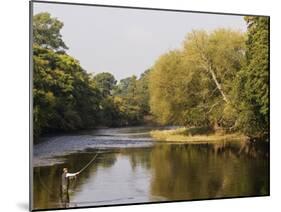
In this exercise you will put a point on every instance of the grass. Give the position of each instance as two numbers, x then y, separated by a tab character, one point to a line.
189	135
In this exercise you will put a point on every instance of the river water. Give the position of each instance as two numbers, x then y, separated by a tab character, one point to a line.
133	168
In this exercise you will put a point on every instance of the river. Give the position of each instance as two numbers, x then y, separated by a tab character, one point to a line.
133	168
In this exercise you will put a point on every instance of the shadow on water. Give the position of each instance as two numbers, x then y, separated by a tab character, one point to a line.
210	170
155	173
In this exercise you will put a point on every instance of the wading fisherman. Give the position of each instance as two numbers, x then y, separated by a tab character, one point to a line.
65	177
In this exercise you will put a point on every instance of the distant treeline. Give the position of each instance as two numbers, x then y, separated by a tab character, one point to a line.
68	98
217	79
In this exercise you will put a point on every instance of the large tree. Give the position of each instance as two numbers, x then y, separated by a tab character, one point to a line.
218	55
252	84
65	96
193	86
175	91
46	32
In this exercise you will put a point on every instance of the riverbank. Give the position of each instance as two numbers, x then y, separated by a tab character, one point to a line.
184	135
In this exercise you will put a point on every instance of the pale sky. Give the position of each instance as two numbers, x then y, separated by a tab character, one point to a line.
127	41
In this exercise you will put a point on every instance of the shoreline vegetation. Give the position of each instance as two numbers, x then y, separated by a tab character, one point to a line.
185	135
218	79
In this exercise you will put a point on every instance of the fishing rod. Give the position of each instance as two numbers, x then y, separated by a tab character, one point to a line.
46	187
88	164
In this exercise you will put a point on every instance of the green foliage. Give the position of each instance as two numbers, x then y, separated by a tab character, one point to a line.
65	96
105	82
217	55
132	97
173	88
219	79
252	83
216	80
142	93
193	86
46	31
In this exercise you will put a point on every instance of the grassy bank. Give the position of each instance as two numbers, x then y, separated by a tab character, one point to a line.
187	135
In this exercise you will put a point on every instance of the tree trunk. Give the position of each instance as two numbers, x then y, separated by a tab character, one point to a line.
207	65
217	84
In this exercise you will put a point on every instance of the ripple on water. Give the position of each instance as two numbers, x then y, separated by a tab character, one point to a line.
45	153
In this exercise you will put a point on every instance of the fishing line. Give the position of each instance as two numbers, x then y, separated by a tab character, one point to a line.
81	170
88	164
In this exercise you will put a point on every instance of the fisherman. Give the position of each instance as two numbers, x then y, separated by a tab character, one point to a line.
65	185
65	179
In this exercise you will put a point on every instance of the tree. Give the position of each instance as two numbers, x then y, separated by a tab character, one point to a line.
193	86
105	82
122	89
142	93
219	55
252	84
46	32
65	96
131	96
173	90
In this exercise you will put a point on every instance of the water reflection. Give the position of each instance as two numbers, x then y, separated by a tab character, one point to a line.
230	169
155	173
47	179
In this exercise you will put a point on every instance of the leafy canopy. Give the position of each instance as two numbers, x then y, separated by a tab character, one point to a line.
46	32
